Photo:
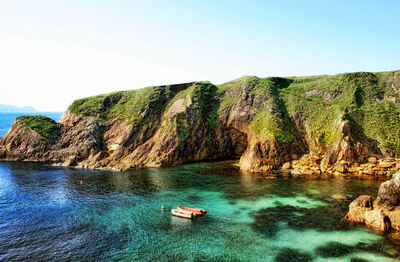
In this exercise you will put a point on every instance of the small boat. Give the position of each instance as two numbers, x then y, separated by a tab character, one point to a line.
197	211
182	213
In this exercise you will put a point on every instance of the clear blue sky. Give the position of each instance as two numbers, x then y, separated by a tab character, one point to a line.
52	52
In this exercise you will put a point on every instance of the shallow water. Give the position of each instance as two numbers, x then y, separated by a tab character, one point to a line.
48	214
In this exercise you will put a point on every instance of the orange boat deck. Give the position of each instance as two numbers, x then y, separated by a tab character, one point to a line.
197	211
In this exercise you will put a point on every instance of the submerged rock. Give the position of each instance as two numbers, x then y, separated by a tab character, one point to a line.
295	255
334	250
340	197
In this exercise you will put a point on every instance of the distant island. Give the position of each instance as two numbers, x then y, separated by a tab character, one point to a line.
16	109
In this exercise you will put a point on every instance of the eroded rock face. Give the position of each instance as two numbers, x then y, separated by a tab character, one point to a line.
266	156
116	145
77	141
389	192
255	120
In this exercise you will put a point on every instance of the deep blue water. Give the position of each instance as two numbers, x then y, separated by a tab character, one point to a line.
52	213
6	119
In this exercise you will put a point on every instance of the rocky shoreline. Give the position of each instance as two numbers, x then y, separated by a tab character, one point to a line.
80	144
311	165
383	214
345	124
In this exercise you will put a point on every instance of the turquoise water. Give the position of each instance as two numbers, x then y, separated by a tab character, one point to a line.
57	214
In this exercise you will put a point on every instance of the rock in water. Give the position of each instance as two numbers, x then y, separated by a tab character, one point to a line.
339	197
385	213
389	192
358	208
376	219
394	217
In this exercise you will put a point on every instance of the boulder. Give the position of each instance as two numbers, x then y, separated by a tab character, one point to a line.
358	208
394	217
389	192
70	160
377	219
387	164
386	214
286	166
372	160
341	168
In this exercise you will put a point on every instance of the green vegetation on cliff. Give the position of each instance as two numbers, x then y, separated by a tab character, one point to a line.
132	106
272	121
369	101
280	108
45	126
200	97
305	100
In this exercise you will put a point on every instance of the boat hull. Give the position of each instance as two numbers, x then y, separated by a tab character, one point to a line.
182	213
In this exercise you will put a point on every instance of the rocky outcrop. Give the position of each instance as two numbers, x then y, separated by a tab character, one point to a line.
74	143
389	192
358	208
384	213
177	136
261	156
303	125
377	219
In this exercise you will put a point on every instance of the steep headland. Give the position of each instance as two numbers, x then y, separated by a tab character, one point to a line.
346	123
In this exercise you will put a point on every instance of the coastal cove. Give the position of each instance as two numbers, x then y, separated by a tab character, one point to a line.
54	213
200	131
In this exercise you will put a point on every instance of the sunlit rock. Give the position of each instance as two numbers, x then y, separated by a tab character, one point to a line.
358	208
376	219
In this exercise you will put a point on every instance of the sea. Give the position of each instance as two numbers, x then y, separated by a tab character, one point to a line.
50	213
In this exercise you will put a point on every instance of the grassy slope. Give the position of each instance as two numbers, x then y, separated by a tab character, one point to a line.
131	106
45	126
272	121
139	106
355	96
319	100
202	97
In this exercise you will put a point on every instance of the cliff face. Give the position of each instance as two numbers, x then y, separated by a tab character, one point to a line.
342	123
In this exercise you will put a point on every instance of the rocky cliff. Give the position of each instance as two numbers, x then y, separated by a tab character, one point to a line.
347	123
